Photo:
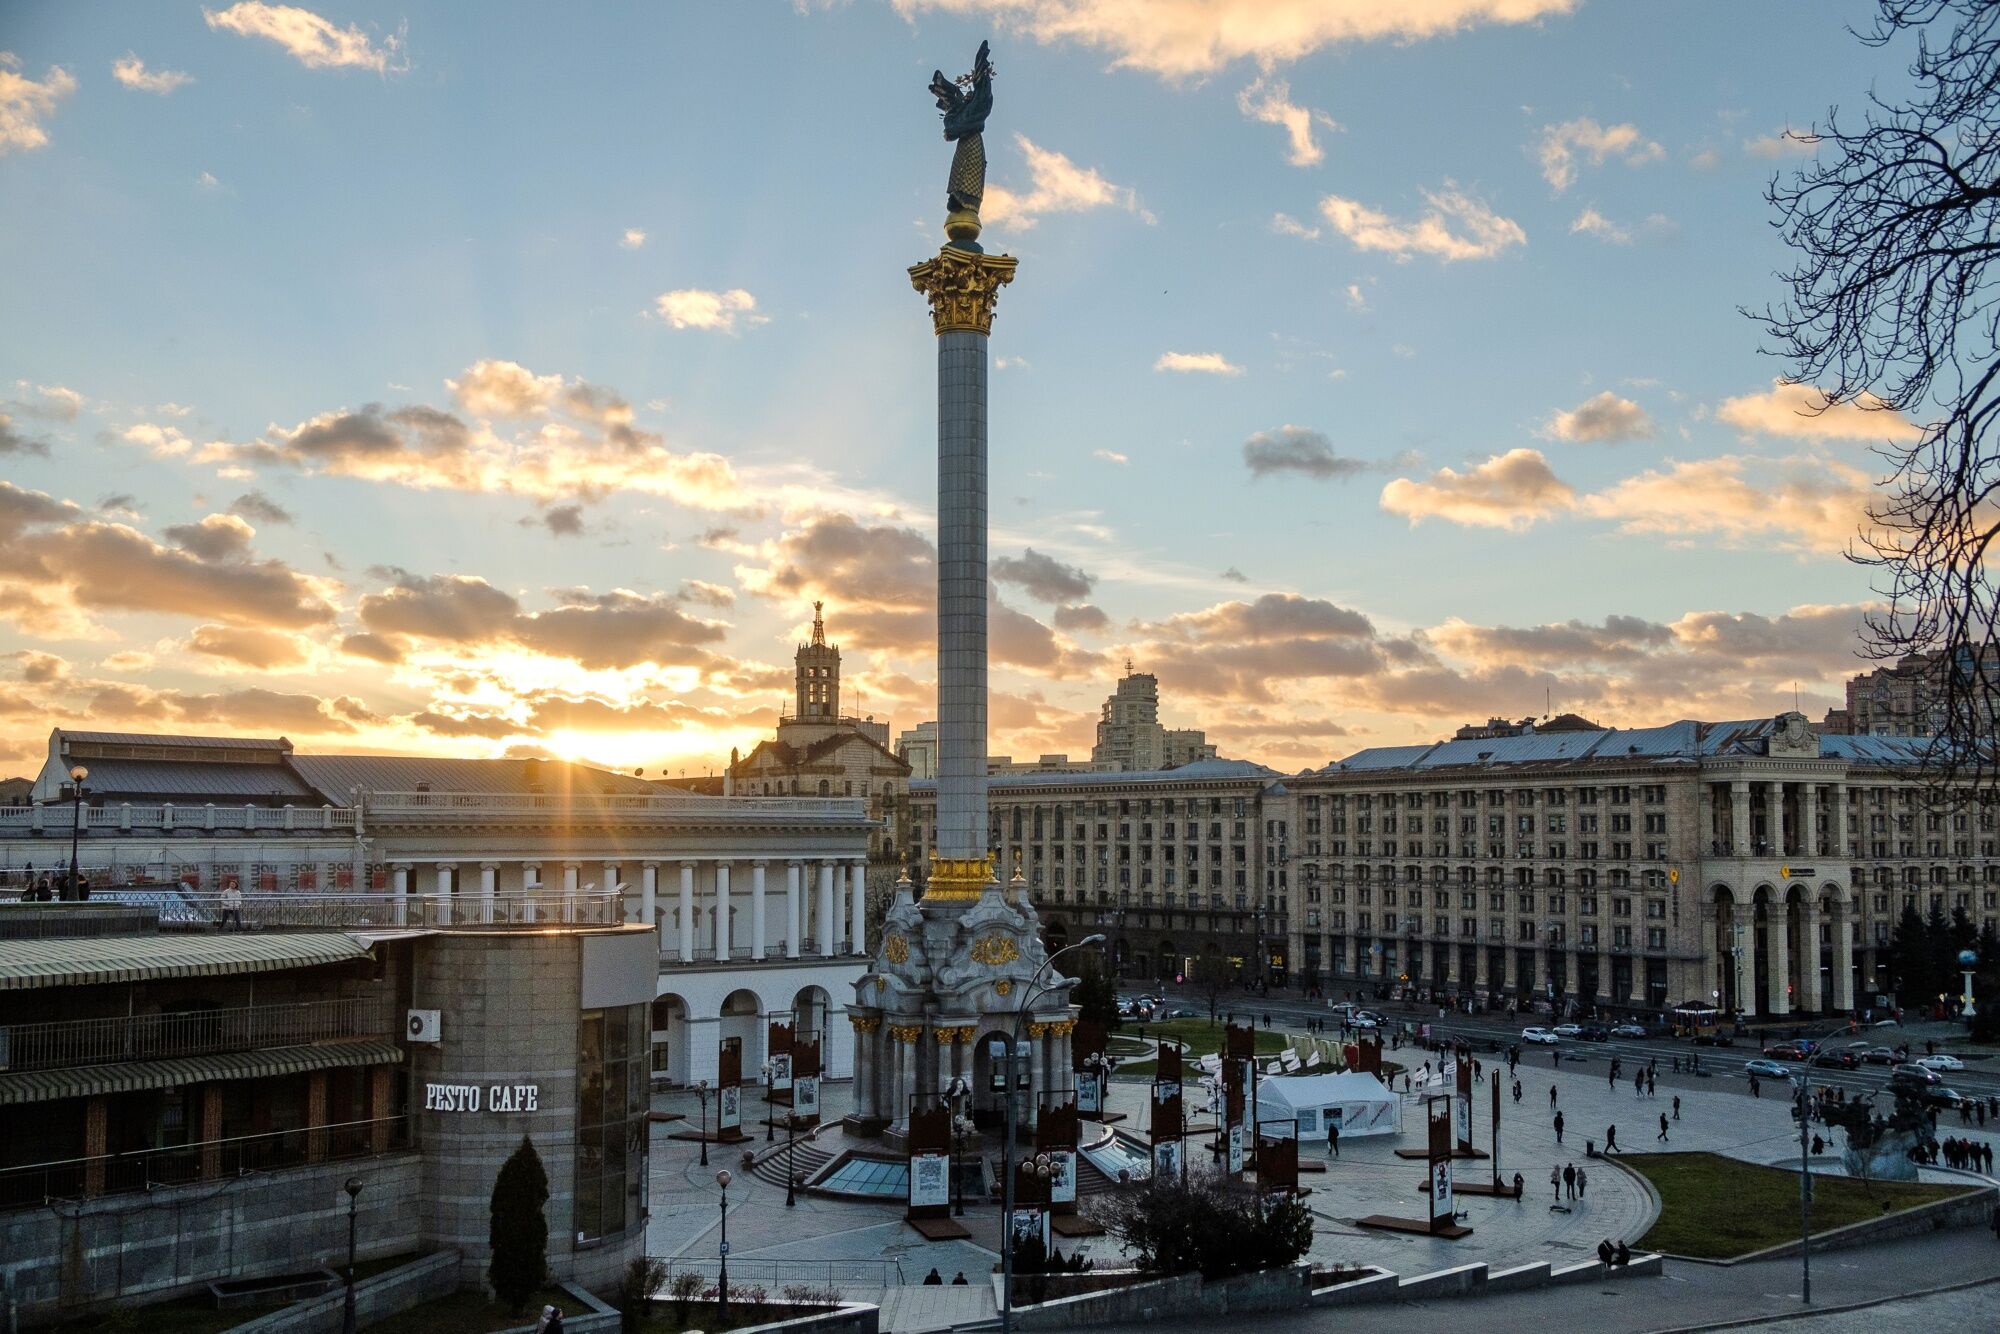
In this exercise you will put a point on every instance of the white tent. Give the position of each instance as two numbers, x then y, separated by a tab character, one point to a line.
1359	1104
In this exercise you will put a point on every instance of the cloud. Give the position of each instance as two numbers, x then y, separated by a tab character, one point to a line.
1247	651
698	308
13	441
260	710
1058	185
1805	504
1592	223
1357	300
1197	363
1270	100
52	402
131	71
247	646
1234	576
563	520
376	648
219	537
1511	490
1043	577
256	505
1456	227
1111	456
1565	146
38	668
207	181
1295	449
1605	419
309	39
161	441
633	238
705	594
1195	37
1083	618
1284	224
1801	411
24	103
1782	144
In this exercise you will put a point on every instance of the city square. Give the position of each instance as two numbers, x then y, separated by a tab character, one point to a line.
1244	834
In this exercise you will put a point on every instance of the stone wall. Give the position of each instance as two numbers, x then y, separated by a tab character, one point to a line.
375	1298
75	1256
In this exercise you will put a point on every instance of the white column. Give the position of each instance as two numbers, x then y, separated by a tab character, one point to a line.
687	912
570	876
402	891
864	1073
1739	817
1774	802
1839	821
793	920
857	922
442	915
1809	822
610	884
531	889
756	910
489	889
1777	943
1843	960
722	910
829	905
649	900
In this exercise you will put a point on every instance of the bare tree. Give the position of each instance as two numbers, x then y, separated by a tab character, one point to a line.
1892	307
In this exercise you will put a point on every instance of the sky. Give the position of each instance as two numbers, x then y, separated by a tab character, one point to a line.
511	379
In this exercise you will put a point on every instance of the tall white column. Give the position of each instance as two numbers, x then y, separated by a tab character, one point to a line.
1774	801
756	910
1739	817
829	905
687	912
794	922
442	916
611	886
1839	822
1778	955
489	889
649	900
531	890
401	876
722	910
1843	960
857	922
570	875
1809	822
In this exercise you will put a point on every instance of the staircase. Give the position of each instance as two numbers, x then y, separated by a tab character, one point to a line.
807	1159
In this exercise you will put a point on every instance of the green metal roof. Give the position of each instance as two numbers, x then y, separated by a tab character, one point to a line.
133	1076
86	962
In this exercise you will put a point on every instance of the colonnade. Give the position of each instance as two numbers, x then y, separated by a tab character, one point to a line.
1801	836
896	1059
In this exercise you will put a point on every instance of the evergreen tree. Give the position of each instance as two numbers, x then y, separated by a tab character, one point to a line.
1908	956
1986	987
1094	993
519	1232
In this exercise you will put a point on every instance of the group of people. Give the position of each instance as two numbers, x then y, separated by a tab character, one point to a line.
1610	1255
1965	1153
1569	1178
59	887
936	1280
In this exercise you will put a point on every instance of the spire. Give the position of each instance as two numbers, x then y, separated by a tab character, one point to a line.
819	626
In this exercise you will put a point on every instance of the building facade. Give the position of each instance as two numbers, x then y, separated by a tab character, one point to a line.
1130	737
1909	697
1753	865
1183	870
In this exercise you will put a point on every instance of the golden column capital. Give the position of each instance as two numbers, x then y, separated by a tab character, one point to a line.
962	287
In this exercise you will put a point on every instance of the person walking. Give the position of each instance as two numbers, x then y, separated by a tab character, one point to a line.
1755	1087
1663	1127
1517	1090
1569	1179
1818	1146
1552	1097
1652	1084
933	1279
232	911
1333	1140
1559	1127
1582	1183
1611	1139
1677	1107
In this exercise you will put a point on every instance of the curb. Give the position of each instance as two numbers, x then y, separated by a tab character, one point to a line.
1748	1322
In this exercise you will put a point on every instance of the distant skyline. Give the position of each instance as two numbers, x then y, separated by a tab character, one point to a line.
511	379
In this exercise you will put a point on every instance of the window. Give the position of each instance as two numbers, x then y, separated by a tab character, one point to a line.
612	1102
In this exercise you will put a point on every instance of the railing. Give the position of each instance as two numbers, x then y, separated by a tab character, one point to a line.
274	911
776	1275
501	805
55	818
60	921
212	1160
80	1042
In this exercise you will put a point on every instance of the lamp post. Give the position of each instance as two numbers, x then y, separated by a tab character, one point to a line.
701	1091
1805	1171
1968	961
1261	973
722	1280
1028	995
76	776
1736	992
347	1304
770	1108
791	1171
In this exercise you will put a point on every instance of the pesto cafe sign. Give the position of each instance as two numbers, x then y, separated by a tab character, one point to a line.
482	1098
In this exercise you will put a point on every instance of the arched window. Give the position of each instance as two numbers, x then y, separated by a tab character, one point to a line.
823	787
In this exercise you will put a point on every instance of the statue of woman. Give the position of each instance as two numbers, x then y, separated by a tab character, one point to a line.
964	121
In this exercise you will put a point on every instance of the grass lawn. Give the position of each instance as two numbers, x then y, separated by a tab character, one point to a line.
1201	1038
472	1313
1716	1208
188	1315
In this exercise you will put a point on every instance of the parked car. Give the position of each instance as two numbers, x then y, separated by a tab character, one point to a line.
1767	1068
1567	1030
1536	1034
1628	1030
1594	1033
1880	1056
1917	1076
1941	1061
1786	1051
1179	1012
1837	1060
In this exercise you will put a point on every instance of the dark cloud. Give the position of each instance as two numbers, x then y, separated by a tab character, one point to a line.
21	509
1234	576
111	567
38	668
618	629
459	608
1297	450
465	725
564	520
376	648
1043	577
219	537
247	645
13	441
259	507
1082	618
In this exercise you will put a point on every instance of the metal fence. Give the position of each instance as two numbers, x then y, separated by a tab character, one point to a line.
285	909
212	1160
774	1276
78	1042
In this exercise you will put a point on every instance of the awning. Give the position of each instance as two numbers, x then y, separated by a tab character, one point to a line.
86	962
135	1076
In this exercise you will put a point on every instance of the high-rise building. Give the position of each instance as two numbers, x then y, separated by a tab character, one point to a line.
1129	734
1907	699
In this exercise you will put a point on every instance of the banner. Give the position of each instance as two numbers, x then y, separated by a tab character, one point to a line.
805	1096
1236	1150
1441	1204
781	1072
730	1100
729	1085
1062	1181
930	1180
1031	1223
1166	1159
1089	1094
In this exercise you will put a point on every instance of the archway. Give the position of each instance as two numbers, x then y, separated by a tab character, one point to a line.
1729	991
670	1040
1767	912
742	1017
1168	961
812	1009
989	1076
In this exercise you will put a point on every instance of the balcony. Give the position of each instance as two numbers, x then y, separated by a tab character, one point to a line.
65	1044
182	908
54	819
664	807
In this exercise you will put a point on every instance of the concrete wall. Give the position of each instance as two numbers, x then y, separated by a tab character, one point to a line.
1970	1210
1184	1295
74	1257
375	1298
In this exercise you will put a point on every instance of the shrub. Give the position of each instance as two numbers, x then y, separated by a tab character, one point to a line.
644	1278
684	1287
519	1231
1212	1225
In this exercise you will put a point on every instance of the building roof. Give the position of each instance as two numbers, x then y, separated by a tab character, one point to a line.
1197	771
335	775
280	744
135	1076
26	964
111	780
788	756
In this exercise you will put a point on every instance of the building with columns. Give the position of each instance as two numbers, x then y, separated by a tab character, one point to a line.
758	904
1754	865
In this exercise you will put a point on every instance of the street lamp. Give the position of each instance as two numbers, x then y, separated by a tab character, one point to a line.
76	776
722	1284
347	1305
1968	960
1805	1170
701	1091
1028	995
791	1172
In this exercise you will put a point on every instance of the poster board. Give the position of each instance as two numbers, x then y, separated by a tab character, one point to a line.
1462	1109
929	1148
806	1074
729	1088
1439	1113
779	1044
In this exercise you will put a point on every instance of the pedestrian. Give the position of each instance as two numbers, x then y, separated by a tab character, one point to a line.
1569	1179
1604	1251
1552	1097
1333	1140
934	1279
1517	1090
1755	1087
1663	1127
1582	1181
1639	1084
1623	1255
1611	1140
958	1280
232	911
1652	1085
1677	1065
1677	1107
1556	1182
1559	1127
1818	1146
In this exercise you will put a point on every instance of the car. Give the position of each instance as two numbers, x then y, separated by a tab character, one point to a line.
1837	1060
1537	1034
1181	1012
1628	1031
1920	1076
1880	1056
1567	1030
1594	1033
1941	1061
1365	1019
1939	1096
1769	1069
1786	1051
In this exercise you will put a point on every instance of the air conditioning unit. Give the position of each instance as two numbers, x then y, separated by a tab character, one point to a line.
425	1026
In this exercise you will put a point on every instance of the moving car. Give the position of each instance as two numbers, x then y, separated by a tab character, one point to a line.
1917	1076
1944	1097
1362	1019
1567	1030
1628	1031
1786	1051
1879	1056
1536	1035
1594	1033
1941	1061
1769	1069
1837	1060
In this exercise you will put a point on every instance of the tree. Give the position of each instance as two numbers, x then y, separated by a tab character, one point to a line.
1214	1225
1213	975
519	1232
1892	308
1909	956
1094	993
644	1277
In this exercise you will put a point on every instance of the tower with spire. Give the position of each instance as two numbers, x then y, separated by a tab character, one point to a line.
816	682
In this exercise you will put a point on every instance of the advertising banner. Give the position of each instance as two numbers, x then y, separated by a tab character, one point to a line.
730	1100
1062	1181
1236	1150
781	1072
805	1096
1089	1094
1166	1159
930	1180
